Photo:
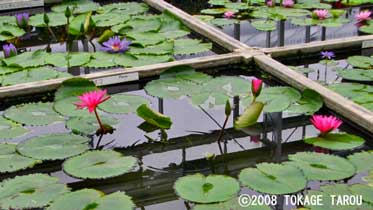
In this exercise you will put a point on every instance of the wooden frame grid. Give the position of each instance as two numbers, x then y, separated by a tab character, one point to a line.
240	52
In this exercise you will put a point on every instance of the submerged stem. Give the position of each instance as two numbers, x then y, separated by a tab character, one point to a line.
221	134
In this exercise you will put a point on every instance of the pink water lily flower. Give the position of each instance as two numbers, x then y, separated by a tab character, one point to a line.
288	3
325	124
229	14
270	3
116	45
256	87
321	14
91	100
363	16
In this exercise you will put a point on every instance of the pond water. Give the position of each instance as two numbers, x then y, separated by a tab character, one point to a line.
293	34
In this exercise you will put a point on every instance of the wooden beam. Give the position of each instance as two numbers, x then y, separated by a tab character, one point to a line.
318	46
121	75
206	30
343	106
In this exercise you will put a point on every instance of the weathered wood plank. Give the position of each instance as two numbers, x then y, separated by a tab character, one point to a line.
314	47
199	26
333	100
143	71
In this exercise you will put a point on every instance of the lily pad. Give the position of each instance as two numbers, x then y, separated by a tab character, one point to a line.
190	46
363	190
310	103
102	60
153	117
220	22
123	103
264	25
68	59
277	99
29	75
362	161
229	205
55	19
200	189
171	88
30	191
74	87
273	178
27	59
128	8
9	129
159	49
172	27
6	70
11	161
110	19
356	74
33	114
318	166
67	107
99	164
77	6
9	31
336	141
53	146
89	125
363	62
146	38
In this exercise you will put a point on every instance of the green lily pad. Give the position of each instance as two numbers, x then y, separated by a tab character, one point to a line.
200	189
159	49
229	205
336	141
77	6
277	99
33	114
363	62
146	38
6	70
310	103
190	46
264	25
53	146
9	31
74	87
123	103
27	59
92	199
89	125
143	60
220	22
55	19
217	11
318	166
9	129
67	107
363	190
99	164
30	191
369	178
171	88
153	117
149	23
229	85
65	60
11	161
29	75
110	19
356	74
362	161
128	8
102	60
172	27
273	178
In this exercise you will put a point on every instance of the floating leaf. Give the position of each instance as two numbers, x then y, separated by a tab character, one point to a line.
9	129
74	87
363	62
200	189
171	88
68	59
217	11
30	191
53	146
159	49
67	107
77	6
149	23
102	60
88	125
6	70
190	46
363	190
29	75
336	141
11	161
33	114
220	22
55	19
153	117
27	59
123	103
362	161
128	8
146	38
110	19
318	166
143	60
356	74
273	178
229	85
264	25
310	103
99	164
172	27
8	31
277	99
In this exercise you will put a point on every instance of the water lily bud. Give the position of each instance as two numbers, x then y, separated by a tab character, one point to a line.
67	12
22	19
256	87
228	108
9	50
46	19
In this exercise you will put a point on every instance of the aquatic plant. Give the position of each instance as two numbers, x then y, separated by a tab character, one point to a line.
288	3
229	14
22	19
327	55
256	87
9	50
320	14
325	124
116	45
363	16
270	3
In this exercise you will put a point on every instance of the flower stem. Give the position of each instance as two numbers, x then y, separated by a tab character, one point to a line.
101	128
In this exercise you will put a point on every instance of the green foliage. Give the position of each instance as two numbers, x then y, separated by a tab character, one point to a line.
11	161
336	141
29	75
264	25
55	19
250	115
310	103
200	189
99	165
88	125
273	178
53	146
123	103
9	129
277	99
153	117
27	59
362	161
30	191
190	46
74	87
33	114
